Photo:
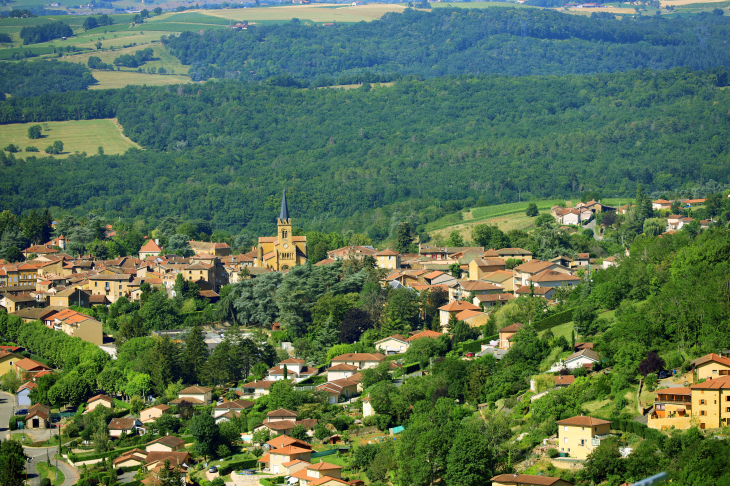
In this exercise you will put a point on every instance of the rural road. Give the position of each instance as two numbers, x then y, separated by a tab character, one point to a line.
7	402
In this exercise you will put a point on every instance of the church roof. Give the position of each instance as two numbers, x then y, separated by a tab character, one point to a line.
284	216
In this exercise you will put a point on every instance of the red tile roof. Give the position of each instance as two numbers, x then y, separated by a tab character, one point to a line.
583	421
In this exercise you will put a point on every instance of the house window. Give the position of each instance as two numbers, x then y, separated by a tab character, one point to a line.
566	440
702	402
565	428
702	412
714	372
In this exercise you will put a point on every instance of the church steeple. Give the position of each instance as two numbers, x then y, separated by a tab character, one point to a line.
284	216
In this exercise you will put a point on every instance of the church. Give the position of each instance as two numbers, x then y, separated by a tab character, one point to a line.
285	250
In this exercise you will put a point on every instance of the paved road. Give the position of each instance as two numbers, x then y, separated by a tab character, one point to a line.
38	454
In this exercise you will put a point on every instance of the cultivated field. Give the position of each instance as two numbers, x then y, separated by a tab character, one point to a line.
315	13
77	136
162	58
120	79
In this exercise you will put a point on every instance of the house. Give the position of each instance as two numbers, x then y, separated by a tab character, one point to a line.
584	357
133	458
479	267
473	318
112	286
515	253
609	262
150	249
553	278
232	406
276	458
501	278
661	204
7	361
710	403
395	344
283	441
153	413
506	334
710	366
527	480
169	443
361	360
454	308
280	415
15	303
568	216
432	252
425	334
257	388
341	371
200	393
119	426
487	301
215	249
580	435
367	408
388	258
295	369
229	415
23	394
38	417
672	408
176	458
675	222
81	326
30	366
437	277
71	296
318	474
99	400
464	288
338	388
523	274
563	381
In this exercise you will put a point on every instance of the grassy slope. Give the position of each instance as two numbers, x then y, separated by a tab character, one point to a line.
120	79
77	136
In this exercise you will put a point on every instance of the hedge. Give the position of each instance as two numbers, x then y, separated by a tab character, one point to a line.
476	346
90	457
13	421
642	430
410	368
554	320
237	466
272	481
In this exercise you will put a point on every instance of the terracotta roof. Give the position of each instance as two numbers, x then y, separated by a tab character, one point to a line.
588	353
323	465
525	479
265	458
721	382
259	384
175	457
307	423
533	266
101	397
553	276
710	357
28	364
458	306
290	450
583	421
150	247
468	314
292	361
236	404
282	412
326	479
169	440
524	289
284	440
512	327
343	367
195	389
191	401
674	391
397	337
495	297
121	424
387	252
424	334
564	380
434	274
29	386
474	285
513	251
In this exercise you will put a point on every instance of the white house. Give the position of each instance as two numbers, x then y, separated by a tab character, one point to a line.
394	344
584	357
23	394
341	371
361	360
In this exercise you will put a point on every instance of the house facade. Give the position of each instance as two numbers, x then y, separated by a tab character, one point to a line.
580	435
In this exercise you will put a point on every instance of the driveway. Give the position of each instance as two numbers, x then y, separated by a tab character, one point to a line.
7	403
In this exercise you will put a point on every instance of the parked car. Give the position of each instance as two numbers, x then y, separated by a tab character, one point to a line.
470	354
212	469
22	411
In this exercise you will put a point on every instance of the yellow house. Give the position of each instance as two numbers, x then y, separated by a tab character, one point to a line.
277	457
394	344
711	403
502	278
506	333
169	443
153	413
388	258
7	361
527	480
580	435
195	394
710	366
672	408
83	327
516	253
285	250
479	267
113	286
69	297
99	401
314	474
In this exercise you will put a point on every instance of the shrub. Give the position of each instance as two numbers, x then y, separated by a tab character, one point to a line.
552	453
31	149
46	482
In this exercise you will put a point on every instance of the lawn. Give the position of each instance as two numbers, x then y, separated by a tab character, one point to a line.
46	471
77	136
315	13
516	221
564	330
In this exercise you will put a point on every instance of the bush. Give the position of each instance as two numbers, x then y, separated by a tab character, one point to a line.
11	148
31	149
554	320
46	482
237	466
552	453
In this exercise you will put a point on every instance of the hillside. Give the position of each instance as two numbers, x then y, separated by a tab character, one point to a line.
223	151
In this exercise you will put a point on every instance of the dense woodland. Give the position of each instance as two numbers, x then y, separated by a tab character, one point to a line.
25	79
222	151
454	42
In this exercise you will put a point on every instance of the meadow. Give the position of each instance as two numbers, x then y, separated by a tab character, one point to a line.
315	13
120	79
77	136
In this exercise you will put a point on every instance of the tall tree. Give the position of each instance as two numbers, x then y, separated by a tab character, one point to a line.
403	237
12	463
194	355
205	431
166	364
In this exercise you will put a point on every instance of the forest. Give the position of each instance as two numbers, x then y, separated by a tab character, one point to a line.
222	151
23	79
45	32
449	41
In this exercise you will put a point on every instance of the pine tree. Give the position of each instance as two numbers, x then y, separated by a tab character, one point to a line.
194	355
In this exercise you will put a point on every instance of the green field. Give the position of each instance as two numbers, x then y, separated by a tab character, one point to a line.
481	215
120	79
162	58
316	13
77	136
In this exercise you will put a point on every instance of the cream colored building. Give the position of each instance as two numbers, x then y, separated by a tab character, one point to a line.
85	328
113	285
506	334
153	413
388	258
361	360
99	401
710	366
200	393
395	344
581	435
284	250
169	443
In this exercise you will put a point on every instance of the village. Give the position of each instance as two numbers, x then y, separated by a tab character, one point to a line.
287	444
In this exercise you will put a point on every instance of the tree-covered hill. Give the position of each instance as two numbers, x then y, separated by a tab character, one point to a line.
454	42
222	151
32	79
